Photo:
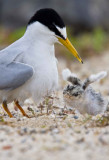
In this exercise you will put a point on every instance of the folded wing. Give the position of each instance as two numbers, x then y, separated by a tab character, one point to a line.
14	75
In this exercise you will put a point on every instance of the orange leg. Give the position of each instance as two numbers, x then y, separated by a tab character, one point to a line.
4	104
20	108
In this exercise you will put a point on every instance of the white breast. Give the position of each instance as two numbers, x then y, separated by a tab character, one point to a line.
45	78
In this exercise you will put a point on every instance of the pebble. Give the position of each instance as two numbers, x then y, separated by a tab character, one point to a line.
25	130
75	117
81	140
7	147
43	131
55	130
33	131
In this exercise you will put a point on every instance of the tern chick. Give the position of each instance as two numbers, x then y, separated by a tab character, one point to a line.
82	96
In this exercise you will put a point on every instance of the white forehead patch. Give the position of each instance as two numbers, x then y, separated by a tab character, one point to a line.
62	31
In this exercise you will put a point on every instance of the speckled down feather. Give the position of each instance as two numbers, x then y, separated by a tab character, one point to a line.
82	96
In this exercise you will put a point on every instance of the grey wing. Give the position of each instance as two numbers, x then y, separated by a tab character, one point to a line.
10	53
14	75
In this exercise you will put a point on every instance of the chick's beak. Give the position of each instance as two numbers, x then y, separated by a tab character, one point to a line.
70	47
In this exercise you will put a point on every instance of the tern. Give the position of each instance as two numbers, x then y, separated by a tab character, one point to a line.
28	67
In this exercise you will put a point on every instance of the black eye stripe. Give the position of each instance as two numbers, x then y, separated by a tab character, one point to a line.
56	31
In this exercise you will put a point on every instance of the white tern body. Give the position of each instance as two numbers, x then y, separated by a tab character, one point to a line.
37	50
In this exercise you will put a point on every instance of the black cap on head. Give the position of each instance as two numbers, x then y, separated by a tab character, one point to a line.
50	19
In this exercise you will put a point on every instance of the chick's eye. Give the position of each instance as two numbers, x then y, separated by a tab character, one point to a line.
75	94
68	87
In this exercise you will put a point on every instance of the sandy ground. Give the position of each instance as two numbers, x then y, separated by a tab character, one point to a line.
62	134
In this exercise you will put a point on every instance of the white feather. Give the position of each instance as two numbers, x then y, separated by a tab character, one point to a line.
96	77
66	73
62	31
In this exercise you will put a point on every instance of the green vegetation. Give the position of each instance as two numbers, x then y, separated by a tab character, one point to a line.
1	119
87	44
17	34
90	43
7	37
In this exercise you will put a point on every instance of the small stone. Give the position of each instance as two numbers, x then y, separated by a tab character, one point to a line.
18	119
75	117
55	130
7	147
33	131
25	130
81	140
43	131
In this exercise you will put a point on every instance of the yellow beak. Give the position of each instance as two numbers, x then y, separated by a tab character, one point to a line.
70	47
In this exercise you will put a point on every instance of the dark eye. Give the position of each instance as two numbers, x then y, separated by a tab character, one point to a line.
68	87
53	28
75	94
